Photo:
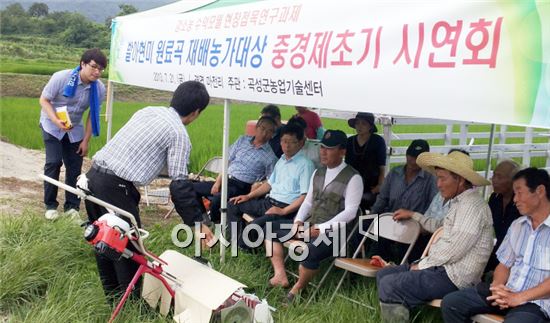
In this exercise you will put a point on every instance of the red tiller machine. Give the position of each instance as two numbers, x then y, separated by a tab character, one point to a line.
110	236
197	293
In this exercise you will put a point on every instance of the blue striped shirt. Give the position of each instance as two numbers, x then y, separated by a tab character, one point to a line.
527	253
153	138
248	163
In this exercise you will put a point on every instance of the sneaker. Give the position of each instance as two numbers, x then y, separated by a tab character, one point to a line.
51	214
73	214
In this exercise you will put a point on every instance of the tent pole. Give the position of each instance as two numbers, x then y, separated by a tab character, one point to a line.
109	109
225	158
488	160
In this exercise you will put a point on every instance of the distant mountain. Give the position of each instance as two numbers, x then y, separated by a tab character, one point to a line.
96	10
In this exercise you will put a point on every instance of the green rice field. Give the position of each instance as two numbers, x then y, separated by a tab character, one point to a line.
19	125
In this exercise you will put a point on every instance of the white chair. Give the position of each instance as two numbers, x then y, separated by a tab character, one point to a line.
213	165
382	226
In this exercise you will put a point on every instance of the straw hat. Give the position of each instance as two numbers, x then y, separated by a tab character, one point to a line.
455	162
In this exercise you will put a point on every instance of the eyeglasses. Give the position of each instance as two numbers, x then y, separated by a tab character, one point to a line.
96	67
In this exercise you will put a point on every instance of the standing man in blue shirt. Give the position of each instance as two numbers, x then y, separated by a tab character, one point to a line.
66	139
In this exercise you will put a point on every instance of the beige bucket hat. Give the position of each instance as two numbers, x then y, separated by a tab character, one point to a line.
455	162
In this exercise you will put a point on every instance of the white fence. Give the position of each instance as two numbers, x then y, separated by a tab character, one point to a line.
527	144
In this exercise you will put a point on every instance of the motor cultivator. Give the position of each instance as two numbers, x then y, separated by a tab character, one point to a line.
196	292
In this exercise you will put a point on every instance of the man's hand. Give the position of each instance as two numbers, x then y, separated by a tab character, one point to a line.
238	199
274	210
504	298
215	189
314	232
378	261
414	267
83	148
61	124
402	214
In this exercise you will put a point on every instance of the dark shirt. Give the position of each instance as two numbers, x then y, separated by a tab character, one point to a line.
502	217
275	142
367	159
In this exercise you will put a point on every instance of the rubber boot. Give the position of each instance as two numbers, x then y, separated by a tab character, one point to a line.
394	313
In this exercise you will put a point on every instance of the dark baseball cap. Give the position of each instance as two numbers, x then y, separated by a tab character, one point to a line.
334	138
417	147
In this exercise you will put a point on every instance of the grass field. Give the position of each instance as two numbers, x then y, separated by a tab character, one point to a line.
19	125
36	55
48	274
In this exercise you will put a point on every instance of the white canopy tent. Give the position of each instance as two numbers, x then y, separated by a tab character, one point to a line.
468	61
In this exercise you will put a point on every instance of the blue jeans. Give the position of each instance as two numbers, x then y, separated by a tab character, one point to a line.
459	306
59	152
400	285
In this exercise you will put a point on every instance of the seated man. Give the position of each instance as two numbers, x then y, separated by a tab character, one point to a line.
286	186
501	203
521	283
250	160
333	198
438	209
458	258
311	147
273	112
406	187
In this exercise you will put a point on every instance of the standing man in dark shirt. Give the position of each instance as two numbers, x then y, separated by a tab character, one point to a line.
501	203
366	152
273	111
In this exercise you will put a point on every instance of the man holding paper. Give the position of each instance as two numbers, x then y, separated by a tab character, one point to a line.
68	94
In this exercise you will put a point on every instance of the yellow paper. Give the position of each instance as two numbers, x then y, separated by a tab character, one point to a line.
63	115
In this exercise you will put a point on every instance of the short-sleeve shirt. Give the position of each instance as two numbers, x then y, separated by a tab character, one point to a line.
367	159
76	105
527	253
290	178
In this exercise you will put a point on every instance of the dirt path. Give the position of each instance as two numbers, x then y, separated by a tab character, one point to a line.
21	188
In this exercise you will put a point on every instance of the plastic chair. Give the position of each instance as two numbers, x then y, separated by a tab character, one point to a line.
382	226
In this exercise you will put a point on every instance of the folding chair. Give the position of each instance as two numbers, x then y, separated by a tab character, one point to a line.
382	226
213	165
488	318
297	244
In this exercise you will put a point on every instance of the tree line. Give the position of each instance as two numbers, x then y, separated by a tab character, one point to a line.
62	27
